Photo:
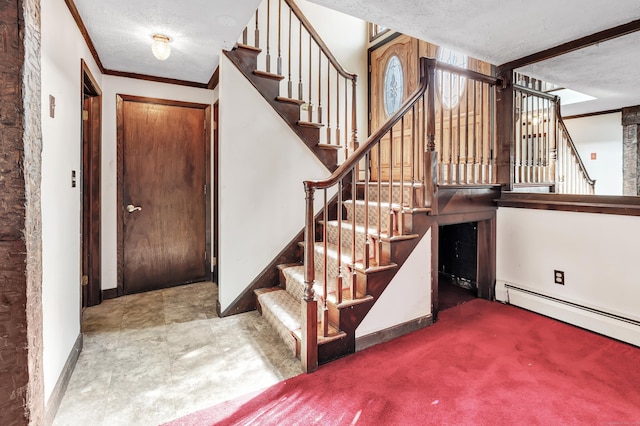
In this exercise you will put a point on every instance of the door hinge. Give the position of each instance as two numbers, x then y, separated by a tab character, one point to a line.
205	255
85	280
85	115
369	116
205	189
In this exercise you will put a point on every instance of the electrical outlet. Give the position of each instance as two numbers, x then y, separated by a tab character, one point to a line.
558	277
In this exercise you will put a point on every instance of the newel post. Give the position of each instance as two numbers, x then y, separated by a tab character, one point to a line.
309	344
428	71
504	155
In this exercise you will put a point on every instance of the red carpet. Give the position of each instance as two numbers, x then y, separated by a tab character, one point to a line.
483	363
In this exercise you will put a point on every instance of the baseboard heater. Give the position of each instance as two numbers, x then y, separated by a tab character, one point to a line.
597	320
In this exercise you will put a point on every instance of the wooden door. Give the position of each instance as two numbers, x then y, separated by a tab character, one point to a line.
400	52
162	206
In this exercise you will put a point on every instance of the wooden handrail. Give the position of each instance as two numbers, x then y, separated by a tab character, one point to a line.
359	154
321	44
564	129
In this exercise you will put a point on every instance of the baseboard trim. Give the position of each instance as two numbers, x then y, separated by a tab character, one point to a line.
364	342
63	381
110	293
597	320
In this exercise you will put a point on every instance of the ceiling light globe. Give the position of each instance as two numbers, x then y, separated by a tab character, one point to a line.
160	46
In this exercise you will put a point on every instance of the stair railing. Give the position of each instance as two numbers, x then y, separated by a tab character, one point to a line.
311	72
410	131
544	153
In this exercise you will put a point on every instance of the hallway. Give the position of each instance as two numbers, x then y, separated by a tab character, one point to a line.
152	357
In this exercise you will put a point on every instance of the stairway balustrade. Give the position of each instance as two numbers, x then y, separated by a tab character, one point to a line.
293	49
544	153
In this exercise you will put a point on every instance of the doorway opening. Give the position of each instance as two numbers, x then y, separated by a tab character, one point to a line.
457	264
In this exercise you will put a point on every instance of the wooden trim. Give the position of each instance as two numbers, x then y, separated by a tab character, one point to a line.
110	293
602	204
215	79
215	189
53	404
120	99
435	261
169	102
393	332
207	181
85	34
570	46
92	198
155	79
592	114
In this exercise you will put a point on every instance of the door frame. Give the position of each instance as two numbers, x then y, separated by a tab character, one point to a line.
120	99
91	254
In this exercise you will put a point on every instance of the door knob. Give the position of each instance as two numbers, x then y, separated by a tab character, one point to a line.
131	208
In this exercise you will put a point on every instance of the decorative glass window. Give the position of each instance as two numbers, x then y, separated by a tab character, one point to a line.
450	85
393	88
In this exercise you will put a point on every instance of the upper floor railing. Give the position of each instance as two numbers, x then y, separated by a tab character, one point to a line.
544	153
293	49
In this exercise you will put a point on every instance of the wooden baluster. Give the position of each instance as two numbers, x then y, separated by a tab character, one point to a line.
390	195
423	138
484	143
430	197
289	55
346	119
309	320
325	280
279	61
466	132
459	136
339	248
352	282
414	131
329	130
474	164
319	110
400	226
354	122
310	101
379	203
338	142
300	86
257	31
451	144
553	149
441	112
367	244
268	35
536	142
244	35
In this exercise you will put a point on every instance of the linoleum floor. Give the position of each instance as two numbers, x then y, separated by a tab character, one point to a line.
153	357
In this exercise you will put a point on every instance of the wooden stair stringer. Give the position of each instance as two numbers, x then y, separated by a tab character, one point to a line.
268	85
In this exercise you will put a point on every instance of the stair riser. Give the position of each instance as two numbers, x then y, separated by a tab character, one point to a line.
373	215
384	193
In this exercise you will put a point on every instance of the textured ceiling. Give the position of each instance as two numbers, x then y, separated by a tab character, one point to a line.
493	30
121	32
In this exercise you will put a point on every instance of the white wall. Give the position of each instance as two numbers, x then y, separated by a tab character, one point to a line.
597	252
408	295
112	86
262	165
62	49
602	135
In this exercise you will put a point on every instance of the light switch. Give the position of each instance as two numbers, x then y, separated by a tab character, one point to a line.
73	178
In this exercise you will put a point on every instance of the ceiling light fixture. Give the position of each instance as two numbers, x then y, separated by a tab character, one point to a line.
160	46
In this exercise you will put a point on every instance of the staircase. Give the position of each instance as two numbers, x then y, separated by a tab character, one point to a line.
354	278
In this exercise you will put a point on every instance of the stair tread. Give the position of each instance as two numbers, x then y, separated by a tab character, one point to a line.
289	100
248	47
268	75
329	146
310	124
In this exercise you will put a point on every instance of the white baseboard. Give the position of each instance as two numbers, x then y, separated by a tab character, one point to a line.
602	322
